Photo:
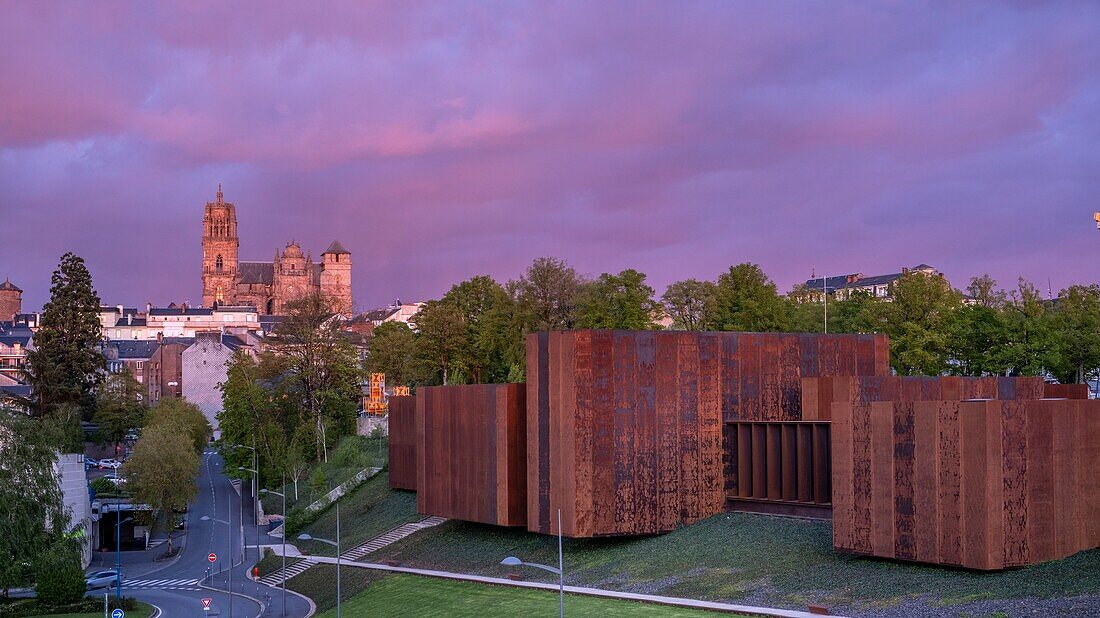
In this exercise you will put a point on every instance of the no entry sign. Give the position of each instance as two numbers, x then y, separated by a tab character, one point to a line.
212	557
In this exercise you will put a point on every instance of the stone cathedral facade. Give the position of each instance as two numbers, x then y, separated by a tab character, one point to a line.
268	286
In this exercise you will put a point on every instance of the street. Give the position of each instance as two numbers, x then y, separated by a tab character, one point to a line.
179	586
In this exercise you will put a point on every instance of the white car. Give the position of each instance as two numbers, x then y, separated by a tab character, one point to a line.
101	579
113	464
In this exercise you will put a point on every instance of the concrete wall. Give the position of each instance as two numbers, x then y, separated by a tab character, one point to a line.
74	489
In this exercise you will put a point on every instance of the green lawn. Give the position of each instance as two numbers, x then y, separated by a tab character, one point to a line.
410	595
319	583
366	512
752	559
141	610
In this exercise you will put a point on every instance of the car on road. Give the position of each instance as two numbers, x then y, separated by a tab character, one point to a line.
90	462
113	464
101	579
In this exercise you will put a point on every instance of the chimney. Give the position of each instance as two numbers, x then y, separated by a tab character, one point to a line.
129	319
120	309
904	270
160	336
148	308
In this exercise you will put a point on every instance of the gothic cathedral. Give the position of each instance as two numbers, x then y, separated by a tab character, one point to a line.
268	286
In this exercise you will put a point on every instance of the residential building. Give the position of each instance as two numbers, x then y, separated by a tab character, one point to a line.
205	368
843	286
15	342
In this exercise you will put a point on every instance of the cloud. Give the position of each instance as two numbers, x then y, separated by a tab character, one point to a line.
443	140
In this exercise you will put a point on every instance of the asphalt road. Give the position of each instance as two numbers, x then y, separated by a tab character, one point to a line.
178	586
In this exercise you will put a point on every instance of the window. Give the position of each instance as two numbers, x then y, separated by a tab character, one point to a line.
140	365
218	263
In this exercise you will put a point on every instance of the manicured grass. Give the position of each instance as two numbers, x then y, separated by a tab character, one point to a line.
366	512
318	582
141	610
752	559
410	595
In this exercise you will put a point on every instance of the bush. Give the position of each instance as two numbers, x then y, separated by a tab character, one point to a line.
318	484
349	453
102	485
59	580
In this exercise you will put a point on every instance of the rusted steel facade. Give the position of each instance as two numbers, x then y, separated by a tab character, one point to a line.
781	468
632	432
1066	391
471	453
819	394
978	484
402	442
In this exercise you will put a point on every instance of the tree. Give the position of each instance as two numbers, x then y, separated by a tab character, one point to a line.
746	300
66	365
163	473
32	513
489	336
546	295
1030	346
617	301
119	406
322	366
440	337
185	417
984	292
1076	323
919	322
687	302
58	578
392	352
979	332
859	313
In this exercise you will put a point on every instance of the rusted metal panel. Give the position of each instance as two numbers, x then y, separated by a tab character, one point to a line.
782	463
982	484
402	442
1066	391
472	464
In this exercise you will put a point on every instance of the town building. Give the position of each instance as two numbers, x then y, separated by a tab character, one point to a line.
121	323
842	287
366	322
11	301
205	368
15	343
268	286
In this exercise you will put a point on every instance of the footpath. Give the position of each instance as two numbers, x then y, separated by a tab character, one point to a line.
595	592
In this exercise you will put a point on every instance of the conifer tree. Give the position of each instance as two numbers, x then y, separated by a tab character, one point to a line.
66	365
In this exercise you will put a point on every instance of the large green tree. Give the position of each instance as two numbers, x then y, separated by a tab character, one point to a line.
322	367
163	473
618	301
119	406
185	417
32	513
979	332
546	295
919	322
490	334
66	365
747	300
1030	342
1076	323
687	302
259	406
440	337
392	352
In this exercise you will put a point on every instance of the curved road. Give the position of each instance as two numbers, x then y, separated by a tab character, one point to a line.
179	587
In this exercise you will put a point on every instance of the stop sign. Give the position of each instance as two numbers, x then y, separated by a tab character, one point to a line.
212	557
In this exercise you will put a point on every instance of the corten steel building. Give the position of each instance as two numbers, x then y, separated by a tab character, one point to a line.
640	432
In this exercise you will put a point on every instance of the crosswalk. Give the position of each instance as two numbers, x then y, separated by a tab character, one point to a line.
163	584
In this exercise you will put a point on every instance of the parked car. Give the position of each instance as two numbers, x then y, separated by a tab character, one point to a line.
113	464
90	462
101	579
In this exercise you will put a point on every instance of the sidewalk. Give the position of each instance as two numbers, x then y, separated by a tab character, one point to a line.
595	592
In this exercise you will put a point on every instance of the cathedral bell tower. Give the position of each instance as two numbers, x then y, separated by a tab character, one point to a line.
219	252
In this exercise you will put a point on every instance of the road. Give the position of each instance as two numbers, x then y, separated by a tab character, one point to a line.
178	587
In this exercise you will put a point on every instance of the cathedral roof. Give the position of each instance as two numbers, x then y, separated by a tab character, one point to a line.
336	247
256	272
8	286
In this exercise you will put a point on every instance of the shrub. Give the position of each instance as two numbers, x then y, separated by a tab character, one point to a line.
349	453
59	580
102	485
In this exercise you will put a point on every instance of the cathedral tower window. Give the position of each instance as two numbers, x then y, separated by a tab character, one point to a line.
218	263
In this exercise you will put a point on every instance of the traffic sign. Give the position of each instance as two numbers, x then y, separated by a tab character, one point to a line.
118	613
212	557
206	601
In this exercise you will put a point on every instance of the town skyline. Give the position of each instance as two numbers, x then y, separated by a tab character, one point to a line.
439	143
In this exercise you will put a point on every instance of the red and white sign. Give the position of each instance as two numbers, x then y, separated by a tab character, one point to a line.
212	557
206	601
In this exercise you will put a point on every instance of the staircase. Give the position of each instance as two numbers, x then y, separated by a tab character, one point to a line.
391	536
275	578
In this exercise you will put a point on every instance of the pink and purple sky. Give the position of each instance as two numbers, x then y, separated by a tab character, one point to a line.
439	141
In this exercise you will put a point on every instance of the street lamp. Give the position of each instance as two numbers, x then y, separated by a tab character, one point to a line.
336	544
231	545
255	512
118	551
255	484
283	570
559	571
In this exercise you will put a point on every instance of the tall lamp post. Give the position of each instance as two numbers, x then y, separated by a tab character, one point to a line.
118	539
231	550
255	498
559	571
256	512
336	544
283	570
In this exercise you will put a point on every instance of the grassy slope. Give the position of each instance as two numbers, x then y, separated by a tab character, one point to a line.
409	595
335	472
738	558
319	583
272	562
370	510
142	611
